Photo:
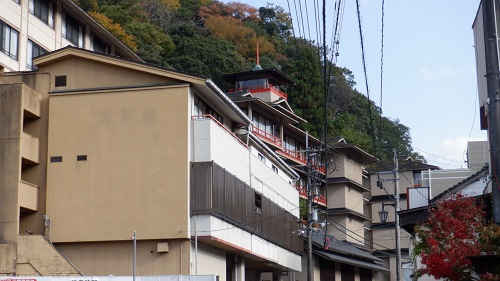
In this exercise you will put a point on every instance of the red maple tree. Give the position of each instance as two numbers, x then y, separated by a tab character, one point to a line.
449	236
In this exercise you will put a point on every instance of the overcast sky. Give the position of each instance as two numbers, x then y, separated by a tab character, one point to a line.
429	76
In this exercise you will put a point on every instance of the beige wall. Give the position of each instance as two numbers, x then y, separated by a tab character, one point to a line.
136	175
346	167
116	257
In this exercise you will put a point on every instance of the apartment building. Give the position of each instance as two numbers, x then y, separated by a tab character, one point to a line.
30	28
337	190
97	147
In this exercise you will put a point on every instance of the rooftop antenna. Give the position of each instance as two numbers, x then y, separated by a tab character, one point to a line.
257	66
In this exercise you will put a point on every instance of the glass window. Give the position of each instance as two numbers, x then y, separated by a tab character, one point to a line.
34	50
262	158
9	43
44	10
201	108
275	169
72	30
263	123
98	45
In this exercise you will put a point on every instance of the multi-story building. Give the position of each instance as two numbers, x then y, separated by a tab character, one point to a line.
30	28
337	190
93	148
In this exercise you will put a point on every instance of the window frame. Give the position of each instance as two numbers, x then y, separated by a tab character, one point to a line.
9	46
43	10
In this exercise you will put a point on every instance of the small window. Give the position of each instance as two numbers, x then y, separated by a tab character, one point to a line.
81	158
56	159
275	169
60	81
258	203
262	158
97	45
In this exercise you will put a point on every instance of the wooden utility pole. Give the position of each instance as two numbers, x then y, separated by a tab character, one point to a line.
493	86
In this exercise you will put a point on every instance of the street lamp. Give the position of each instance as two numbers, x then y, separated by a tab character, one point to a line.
383	214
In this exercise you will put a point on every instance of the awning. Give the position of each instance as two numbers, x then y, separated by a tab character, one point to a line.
342	259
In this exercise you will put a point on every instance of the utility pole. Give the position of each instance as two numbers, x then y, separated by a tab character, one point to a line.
493	86
309	210
396	217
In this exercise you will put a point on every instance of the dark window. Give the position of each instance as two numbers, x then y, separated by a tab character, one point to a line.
9	37
44	10
60	81
72	30
81	158
262	158
201	108
258	203
54	159
275	169
34	50
99	46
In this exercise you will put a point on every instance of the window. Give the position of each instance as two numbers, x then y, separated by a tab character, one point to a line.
262	158
201	108
258	203
417	178
60	81
9	37
263	124
17	1
34	50
275	169
97	45
56	159
72	30
44	10
260	83
81	158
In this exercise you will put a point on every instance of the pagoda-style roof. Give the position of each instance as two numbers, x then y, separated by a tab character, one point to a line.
271	73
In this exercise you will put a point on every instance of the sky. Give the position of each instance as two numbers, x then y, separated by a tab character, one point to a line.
429	73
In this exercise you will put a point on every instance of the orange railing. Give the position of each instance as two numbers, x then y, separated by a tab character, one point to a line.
318	199
260	89
267	136
208	116
294	155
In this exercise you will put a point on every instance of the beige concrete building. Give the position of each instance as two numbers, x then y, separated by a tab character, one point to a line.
93	148
34	27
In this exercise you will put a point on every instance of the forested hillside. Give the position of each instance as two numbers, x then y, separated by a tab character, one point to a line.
210	38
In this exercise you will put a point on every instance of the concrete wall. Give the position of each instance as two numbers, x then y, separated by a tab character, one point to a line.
116	257
136	173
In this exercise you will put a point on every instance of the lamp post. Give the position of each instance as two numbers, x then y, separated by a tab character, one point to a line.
383	214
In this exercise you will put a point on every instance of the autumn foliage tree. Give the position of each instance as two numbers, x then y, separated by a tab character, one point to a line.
449	236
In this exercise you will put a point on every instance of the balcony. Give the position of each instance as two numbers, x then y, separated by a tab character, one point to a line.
28	196
29	148
218	193
293	155
261	89
267	137
318	199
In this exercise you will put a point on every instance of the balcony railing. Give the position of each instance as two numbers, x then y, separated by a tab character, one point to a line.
267	136
295	155
208	116
261	89
320	168
318	199
216	192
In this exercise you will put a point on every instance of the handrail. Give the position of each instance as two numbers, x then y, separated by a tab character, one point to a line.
319	199
270	137
295	155
208	116
259	89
